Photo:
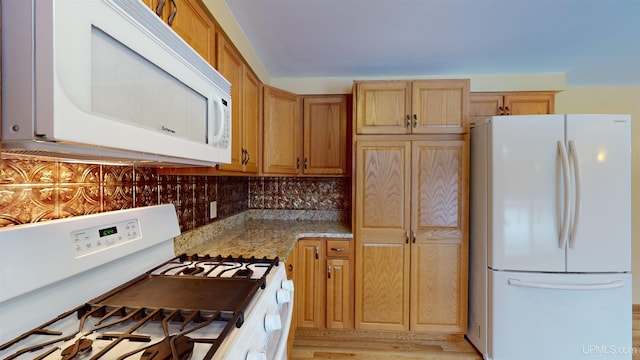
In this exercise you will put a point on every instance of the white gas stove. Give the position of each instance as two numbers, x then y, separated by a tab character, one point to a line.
108	286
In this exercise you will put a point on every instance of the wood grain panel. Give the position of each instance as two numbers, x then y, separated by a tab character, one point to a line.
310	284
438	180
382	291
250	119
325	134
436	293
383	185
282	145
339	309
382	107
194	26
440	106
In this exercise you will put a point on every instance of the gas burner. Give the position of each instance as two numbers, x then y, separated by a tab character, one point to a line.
79	348
170	348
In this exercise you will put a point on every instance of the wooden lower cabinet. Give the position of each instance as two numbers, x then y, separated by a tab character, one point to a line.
323	286
411	235
290	267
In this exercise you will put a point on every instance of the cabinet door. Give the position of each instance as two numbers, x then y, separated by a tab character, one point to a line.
382	248
382	107
191	22
250	120
529	103
338	303
438	250
282	144
325	134
484	105
439	106
230	66
310	286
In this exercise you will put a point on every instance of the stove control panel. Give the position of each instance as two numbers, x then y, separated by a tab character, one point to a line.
98	238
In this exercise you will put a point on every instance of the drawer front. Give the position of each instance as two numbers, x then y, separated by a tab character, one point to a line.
338	248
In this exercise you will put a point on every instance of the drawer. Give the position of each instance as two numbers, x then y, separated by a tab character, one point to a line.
338	248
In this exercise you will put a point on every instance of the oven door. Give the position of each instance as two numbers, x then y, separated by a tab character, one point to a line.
266	329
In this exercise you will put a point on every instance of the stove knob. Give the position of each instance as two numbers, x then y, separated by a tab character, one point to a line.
283	296
255	355
287	285
272	322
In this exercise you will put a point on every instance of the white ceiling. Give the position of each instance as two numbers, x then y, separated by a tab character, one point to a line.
594	42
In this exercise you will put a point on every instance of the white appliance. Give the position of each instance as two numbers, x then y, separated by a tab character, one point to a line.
108	80
71	276
550	237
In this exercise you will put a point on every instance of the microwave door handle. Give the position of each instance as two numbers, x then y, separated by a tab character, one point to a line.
217	102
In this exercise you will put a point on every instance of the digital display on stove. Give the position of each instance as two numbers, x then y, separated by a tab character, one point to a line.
108	231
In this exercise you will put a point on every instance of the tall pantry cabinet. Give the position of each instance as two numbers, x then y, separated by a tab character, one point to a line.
411	199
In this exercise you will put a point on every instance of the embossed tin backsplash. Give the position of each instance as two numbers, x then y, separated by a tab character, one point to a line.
35	190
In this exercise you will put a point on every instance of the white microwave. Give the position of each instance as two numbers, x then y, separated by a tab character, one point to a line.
107	80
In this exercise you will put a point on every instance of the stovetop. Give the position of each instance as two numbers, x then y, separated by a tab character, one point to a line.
185	306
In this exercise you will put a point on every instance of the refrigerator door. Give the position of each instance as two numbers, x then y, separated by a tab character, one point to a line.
559	316
600	231
526	196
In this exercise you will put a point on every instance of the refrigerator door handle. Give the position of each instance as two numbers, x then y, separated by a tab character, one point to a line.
564	228
555	286
573	152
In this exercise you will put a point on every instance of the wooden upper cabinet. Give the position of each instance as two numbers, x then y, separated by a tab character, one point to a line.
282	132
382	107
251	104
486	104
245	108
412	107
305	135
325	134
439	106
191	21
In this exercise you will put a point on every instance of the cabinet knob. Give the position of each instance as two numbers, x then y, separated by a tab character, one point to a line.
408	121
415	120
337	249
328	271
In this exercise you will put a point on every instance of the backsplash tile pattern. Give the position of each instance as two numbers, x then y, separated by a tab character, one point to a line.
291	193
39	190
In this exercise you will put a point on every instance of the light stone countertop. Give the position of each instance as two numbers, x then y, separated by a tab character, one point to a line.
270	238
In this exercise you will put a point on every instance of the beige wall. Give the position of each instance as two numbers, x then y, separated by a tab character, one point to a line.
615	100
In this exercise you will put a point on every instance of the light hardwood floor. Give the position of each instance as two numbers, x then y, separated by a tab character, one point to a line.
318	348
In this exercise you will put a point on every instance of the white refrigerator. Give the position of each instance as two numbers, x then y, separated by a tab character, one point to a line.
550	237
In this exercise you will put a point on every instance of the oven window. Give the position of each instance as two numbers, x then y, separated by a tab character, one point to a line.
128	88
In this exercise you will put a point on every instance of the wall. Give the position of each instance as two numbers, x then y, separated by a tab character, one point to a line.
38	190
616	100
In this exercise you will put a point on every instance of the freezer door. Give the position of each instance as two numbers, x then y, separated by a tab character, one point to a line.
526	194
559	316
600	231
